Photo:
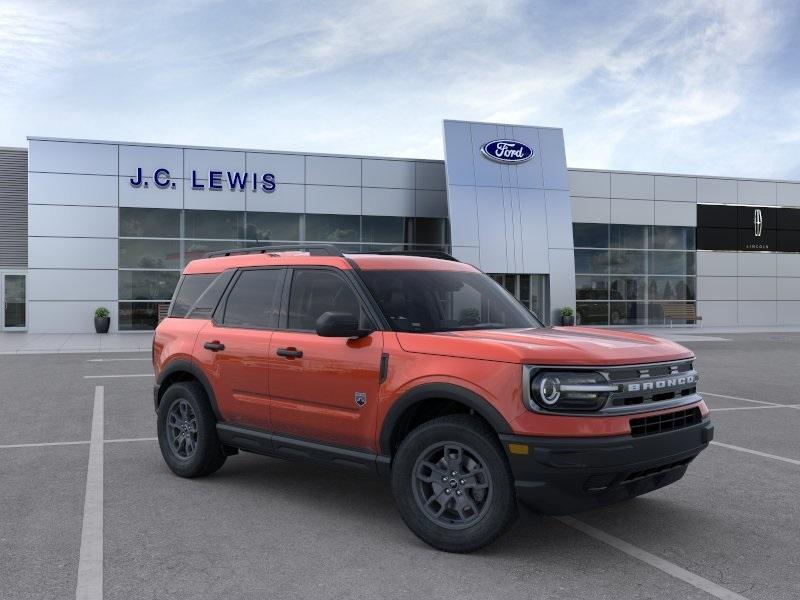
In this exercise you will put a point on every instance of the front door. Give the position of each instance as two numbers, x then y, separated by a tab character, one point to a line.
13	293
324	389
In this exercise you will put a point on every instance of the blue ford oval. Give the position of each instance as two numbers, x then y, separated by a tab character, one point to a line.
507	151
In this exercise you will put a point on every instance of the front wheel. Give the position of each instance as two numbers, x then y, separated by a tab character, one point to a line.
187	431
453	485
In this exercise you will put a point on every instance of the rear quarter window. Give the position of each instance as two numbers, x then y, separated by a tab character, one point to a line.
189	290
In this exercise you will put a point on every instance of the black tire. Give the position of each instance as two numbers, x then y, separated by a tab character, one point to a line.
207	454
458	529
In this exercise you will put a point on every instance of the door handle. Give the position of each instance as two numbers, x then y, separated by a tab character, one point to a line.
214	346
290	352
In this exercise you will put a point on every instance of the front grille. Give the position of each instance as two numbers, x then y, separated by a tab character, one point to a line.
658	370
631	400
665	422
651	384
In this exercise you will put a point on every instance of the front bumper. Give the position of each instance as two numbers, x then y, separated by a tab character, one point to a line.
566	475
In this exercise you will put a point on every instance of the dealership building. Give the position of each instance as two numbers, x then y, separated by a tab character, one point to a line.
85	224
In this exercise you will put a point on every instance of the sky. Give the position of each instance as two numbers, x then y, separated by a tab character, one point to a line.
699	87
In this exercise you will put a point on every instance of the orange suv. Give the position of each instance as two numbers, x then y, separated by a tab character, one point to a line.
423	370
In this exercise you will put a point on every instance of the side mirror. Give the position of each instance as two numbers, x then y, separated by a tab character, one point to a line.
340	324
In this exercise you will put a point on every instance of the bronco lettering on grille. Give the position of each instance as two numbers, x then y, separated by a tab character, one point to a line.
661	384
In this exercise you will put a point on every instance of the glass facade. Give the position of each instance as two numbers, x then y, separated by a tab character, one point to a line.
155	244
625	274
531	290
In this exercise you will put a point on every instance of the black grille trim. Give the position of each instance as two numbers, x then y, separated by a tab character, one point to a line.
665	422
633	373
649	377
636	475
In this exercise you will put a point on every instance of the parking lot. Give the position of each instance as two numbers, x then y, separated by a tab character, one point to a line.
265	528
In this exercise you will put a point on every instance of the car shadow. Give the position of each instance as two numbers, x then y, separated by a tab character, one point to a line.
366	502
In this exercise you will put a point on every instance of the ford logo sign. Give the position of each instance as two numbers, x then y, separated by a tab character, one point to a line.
507	151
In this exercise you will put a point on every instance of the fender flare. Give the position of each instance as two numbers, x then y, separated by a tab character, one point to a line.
184	366
446	391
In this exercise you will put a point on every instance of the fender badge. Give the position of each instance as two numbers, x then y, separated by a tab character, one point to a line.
361	398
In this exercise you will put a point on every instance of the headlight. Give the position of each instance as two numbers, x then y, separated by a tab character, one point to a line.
570	390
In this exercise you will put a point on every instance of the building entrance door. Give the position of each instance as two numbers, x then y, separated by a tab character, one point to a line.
531	290
13	287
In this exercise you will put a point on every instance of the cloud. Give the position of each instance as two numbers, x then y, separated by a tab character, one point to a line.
324	39
37	40
690	86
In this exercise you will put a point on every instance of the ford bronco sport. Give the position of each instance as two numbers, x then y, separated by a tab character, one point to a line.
422	370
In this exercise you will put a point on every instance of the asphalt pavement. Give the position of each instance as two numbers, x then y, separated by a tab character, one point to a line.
265	528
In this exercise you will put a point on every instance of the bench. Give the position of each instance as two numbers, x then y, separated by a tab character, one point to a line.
163	309
681	312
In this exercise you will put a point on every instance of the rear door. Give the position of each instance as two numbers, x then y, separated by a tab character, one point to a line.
232	348
324	389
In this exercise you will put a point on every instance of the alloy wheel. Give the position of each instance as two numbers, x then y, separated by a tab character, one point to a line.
452	485
182	429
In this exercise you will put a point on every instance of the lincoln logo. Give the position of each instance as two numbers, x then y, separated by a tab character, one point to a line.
507	151
758	222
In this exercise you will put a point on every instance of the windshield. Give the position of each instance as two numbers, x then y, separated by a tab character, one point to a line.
431	301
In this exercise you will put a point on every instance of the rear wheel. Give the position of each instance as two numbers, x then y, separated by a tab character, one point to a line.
187	432
453	485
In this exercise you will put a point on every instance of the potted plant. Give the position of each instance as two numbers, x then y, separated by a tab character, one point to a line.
567	316
101	320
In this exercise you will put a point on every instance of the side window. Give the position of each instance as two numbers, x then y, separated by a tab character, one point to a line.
189	291
317	291
253	301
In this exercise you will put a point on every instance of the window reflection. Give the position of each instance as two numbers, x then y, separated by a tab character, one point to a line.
590	235
625	274
333	228
269	226
149	222
214	224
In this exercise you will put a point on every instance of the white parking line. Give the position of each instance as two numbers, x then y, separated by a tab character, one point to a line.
77	443
44	444
791	461
764	402
117	376
716	410
90	565
704	393
116	359
701	583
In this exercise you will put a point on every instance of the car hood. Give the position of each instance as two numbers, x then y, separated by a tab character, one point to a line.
548	346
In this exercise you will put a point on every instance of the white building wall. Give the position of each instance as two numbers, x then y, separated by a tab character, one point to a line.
76	188
733	288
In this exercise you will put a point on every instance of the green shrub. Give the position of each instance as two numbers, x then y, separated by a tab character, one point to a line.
101	312
566	311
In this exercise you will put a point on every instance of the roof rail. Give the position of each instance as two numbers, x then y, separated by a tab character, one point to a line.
313	249
424	253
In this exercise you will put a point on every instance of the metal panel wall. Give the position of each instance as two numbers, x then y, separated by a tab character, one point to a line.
78	185
733	288
511	218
